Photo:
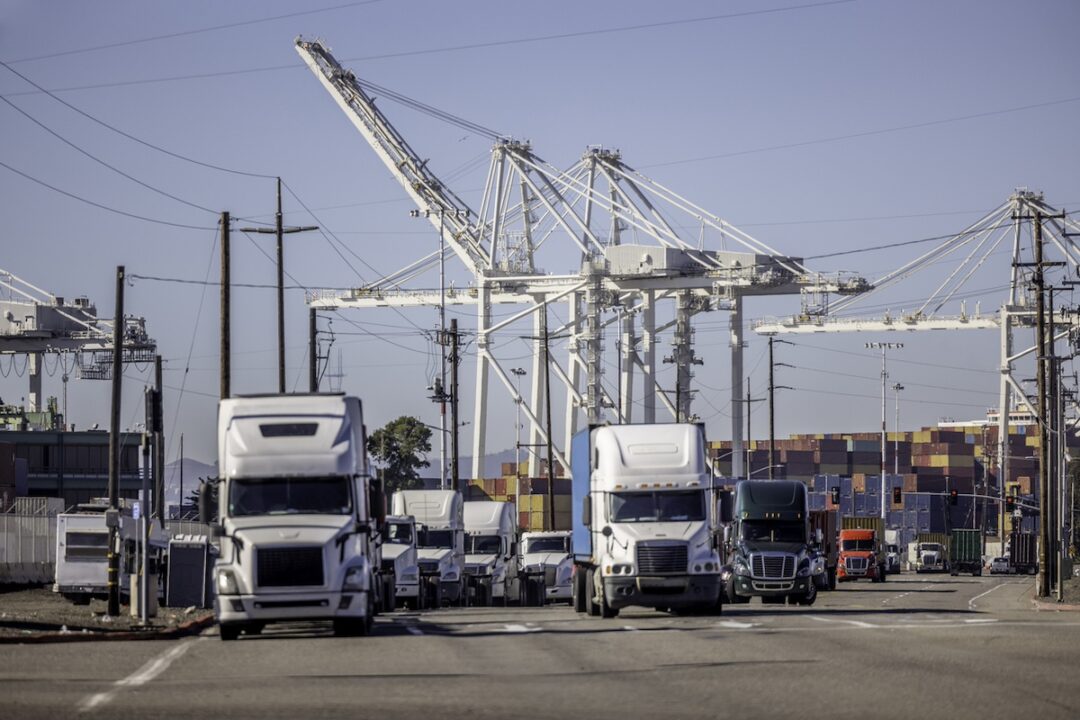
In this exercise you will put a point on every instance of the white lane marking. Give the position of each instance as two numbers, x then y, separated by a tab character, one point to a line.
981	620
853	623
143	675
971	602
896	597
737	625
630	627
521	628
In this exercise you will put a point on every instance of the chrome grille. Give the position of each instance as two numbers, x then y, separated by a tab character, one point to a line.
429	566
290	567
653	558
855	563
772	567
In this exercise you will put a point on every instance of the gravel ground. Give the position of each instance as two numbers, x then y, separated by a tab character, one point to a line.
32	610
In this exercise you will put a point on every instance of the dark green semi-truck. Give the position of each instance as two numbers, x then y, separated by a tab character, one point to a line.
965	552
768	542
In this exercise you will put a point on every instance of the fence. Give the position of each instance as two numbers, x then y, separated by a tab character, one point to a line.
27	548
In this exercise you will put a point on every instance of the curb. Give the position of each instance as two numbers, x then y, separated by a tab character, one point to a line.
1054	606
192	627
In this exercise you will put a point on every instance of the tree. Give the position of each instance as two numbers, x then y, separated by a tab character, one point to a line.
192	504
401	447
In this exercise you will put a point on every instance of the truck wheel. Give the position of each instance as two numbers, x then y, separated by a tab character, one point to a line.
577	596
606	611
229	631
591	608
810	596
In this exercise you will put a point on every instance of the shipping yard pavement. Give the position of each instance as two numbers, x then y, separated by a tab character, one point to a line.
918	646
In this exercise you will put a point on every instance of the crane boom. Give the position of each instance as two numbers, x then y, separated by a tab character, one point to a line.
445	210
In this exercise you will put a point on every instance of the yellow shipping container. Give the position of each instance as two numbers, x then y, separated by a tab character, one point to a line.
537	503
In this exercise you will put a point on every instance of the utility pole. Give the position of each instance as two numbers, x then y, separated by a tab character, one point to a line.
280	231
180	511
547	421
772	389
226	330
884	346
455	359
159	444
1044	474
113	576
896	428
518	374
313	351
748	401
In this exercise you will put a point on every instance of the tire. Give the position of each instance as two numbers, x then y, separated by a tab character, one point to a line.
577	596
592	609
810	596
229	631
732	597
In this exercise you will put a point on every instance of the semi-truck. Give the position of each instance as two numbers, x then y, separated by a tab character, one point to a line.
644	526
1023	553
440	545
930	557
549	553
399	558
298	514
769	544
860	555
965	552
491	566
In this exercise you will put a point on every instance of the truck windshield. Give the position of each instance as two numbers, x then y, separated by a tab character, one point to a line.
773	531
483	544
670	506
548	545
398	533
437	539
286	496
858	545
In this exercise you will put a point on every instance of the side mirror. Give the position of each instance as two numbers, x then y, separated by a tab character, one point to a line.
726	502
205	512
586	511
607	531
216	530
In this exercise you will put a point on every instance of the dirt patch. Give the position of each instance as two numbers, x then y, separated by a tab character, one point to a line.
34	610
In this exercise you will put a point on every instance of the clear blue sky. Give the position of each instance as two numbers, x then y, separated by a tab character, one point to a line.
818	128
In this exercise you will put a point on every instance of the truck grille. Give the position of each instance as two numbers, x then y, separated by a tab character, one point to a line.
290	567
857	564
654	558
429	567
772	567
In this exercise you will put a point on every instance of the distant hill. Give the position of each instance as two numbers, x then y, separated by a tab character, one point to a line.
193	470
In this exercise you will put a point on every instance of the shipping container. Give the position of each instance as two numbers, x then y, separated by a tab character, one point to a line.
965	552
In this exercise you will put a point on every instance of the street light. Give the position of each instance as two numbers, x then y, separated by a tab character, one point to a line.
518	374
883	346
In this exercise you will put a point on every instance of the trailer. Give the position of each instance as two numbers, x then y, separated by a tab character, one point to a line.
965	552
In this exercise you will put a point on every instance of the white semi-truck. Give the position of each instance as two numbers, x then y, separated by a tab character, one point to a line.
298	514
399	557
645	519
491	567
440	545
548	553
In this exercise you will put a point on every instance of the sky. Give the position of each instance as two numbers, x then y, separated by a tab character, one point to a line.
817	127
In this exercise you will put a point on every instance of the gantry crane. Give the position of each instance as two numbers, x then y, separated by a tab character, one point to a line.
37	323
630	256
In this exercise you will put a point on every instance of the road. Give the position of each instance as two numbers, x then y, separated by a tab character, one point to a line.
915	647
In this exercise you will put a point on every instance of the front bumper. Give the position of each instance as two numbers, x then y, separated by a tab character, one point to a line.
663	591
407	590
271	607
559	592
759	587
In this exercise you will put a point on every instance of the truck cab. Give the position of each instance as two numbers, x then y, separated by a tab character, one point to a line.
399	558
645	536
491	567
930	557
298	514
860	556
549	553
440	544
769	542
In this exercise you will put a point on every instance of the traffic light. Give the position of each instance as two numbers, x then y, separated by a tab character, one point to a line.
1010	503
954	497
834	491
897	498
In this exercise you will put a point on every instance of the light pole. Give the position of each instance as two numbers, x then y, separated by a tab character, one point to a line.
518	374
883	346
896	428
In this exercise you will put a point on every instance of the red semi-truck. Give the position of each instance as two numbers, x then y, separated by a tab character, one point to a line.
861	555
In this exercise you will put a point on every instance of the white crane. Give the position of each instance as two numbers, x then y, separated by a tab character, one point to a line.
626	233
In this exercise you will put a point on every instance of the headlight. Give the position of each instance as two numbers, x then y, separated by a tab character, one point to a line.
356	580
804	568
226	583
450	575
740	568
409	576
622	569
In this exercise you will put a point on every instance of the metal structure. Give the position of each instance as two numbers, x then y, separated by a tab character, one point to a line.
620	232
36	323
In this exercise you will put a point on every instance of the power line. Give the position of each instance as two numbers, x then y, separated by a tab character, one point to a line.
99	205
188	33
866	133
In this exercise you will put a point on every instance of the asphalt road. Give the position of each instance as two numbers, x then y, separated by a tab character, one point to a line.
916	647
